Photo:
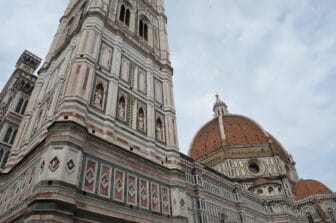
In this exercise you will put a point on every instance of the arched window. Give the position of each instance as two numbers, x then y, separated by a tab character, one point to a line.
125	15
310	218
270	190
8	134
143	29
19	105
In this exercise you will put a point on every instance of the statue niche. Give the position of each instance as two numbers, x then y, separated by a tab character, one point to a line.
159	130
141	119
122	108
99	96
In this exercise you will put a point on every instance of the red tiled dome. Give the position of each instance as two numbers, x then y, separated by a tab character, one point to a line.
239	130
306	188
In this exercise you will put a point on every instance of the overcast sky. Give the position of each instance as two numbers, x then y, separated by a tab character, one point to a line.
271	60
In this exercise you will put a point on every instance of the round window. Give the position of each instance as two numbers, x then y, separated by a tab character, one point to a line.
254	168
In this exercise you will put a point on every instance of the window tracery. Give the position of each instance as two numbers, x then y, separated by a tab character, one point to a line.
143	29
125	15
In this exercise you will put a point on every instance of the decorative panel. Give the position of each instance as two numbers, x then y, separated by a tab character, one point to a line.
132	193
119	185
105	58
90	173
144	193
165	200
155	197
105	181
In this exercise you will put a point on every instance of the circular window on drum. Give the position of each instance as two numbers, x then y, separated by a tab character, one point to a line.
255	167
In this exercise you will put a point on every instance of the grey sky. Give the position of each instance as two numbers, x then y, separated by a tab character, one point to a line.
274	61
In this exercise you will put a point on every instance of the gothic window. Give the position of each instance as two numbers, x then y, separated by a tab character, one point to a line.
141	119
122	108
19	106
159	129
310	218
99	95
143	29
270	190
125	15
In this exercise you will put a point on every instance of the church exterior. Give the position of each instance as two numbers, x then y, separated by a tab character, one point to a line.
93	137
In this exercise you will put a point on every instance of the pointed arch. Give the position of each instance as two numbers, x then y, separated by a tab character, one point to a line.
125	13
143	27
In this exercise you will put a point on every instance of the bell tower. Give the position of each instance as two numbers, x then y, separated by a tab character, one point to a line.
108	70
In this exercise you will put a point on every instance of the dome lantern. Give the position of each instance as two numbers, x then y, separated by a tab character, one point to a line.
220	108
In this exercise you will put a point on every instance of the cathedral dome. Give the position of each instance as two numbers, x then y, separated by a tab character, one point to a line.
231	130
306	188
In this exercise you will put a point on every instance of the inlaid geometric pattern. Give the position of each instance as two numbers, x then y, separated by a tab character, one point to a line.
119	185
165	200
70	166
144	194
132	190
54	164
105	181
155	197
90	176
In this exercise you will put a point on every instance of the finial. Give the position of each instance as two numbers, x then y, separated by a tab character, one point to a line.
217	95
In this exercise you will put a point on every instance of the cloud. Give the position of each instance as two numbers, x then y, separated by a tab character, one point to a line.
274	61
